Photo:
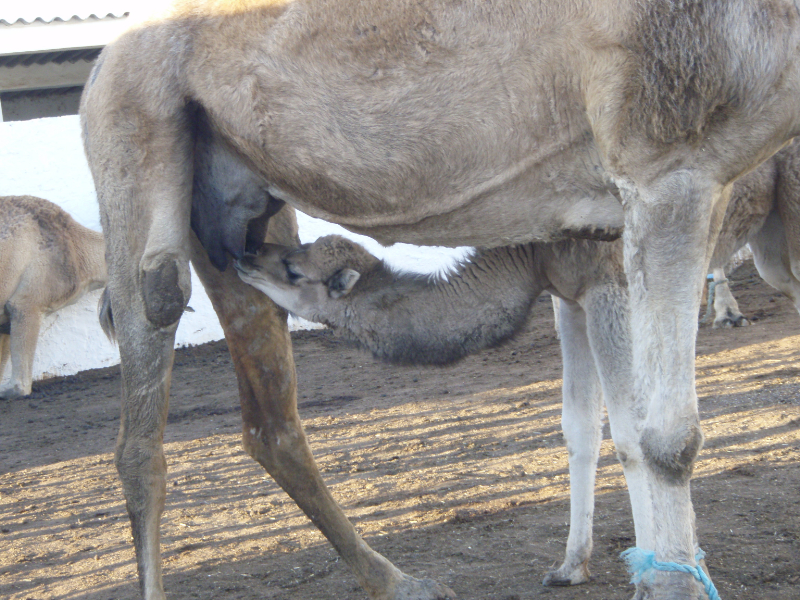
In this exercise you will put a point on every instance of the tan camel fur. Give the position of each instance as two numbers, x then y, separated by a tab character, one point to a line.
47	261
436	122
409	318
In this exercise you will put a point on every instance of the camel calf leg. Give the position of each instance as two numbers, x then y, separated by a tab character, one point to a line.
258	339
581	422
608	330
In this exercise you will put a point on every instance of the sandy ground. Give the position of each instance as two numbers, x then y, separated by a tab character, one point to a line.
459	474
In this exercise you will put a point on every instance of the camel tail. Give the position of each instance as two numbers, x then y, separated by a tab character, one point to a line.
106	317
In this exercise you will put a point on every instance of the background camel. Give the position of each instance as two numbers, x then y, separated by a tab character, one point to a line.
409	318
47	261
425	121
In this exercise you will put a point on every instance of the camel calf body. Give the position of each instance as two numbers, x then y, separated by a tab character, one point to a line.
427	320
47	261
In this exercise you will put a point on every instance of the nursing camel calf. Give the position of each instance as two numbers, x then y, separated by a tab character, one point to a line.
430	122
47	261
405	318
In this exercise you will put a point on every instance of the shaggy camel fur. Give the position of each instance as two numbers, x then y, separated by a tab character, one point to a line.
47	262
455	123
409	318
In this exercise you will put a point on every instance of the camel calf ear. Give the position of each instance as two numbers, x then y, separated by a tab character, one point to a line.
342	282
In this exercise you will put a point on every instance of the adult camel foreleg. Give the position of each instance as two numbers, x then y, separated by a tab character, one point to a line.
258	338
668	233
581	423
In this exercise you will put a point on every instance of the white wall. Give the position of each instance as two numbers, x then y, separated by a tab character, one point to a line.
44	157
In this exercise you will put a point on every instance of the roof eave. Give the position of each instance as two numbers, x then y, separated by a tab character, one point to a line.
65	35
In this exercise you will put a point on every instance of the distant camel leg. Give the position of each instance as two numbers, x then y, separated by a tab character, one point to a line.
25	325
788	200
726	309
258	339
771	252
5	352
581	422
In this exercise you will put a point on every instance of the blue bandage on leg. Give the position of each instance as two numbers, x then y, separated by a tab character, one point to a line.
641	562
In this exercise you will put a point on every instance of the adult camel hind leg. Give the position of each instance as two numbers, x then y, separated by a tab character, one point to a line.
258	338
141	164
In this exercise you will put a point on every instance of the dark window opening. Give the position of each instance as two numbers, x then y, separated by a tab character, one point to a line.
38	104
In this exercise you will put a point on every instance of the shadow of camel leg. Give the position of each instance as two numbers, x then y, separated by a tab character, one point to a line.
259	342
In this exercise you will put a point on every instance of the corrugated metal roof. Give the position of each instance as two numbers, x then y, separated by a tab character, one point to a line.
42	58
48	11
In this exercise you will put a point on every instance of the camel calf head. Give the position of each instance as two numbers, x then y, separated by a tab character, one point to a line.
304	280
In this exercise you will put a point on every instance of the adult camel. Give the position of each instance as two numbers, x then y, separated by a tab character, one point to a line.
405	317
432	122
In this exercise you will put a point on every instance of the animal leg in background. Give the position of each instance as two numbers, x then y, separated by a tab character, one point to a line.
771	253
726	309
258	338
788	203
5	351
581	423
24	324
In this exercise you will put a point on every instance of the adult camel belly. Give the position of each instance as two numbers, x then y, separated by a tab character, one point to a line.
444	130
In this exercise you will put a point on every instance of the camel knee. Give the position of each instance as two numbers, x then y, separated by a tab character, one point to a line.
166	288
629	453
280	450
672	453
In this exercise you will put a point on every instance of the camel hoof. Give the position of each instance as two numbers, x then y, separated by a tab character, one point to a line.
731	321
422	589
670	586
12	392
563	577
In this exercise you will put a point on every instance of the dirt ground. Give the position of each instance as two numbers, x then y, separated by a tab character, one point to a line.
455	473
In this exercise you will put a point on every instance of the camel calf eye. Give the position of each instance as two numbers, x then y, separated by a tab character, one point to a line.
293	274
